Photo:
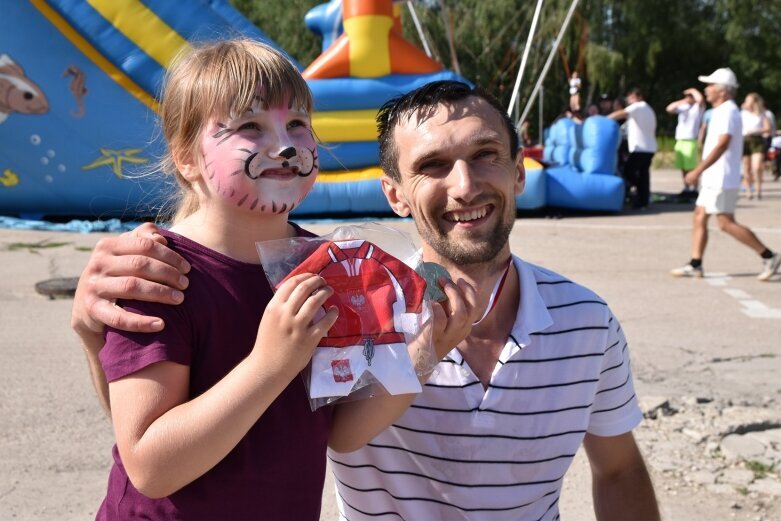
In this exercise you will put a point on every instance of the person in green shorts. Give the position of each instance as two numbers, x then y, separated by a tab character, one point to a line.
689	109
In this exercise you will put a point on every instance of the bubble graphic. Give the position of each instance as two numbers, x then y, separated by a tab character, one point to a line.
49	179
60	167
45	160
35	139
50	153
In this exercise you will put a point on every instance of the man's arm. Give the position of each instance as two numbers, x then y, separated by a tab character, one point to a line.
672	108
718	150
136	265
621	485
697	95
618	114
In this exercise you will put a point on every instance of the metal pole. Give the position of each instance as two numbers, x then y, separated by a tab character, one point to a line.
419	27
525	55
542	128
548	62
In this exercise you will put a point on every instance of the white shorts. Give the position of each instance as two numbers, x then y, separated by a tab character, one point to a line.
336	370
717	200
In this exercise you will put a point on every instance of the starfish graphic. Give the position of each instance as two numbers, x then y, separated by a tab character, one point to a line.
115	158
9	178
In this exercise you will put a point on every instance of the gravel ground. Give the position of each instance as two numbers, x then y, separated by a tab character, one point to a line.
705	354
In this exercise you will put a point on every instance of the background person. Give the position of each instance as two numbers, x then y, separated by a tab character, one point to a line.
755	127
641	139
689	110
719	176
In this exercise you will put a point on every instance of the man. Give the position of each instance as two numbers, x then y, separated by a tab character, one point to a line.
689	110
720	173
641	137
545	369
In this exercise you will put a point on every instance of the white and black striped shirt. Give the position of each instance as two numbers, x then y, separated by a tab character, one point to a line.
462	453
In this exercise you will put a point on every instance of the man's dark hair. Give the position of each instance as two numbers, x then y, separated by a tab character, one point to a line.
425	99
637	91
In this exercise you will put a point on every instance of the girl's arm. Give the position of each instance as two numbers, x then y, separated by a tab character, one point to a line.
166	441
355	423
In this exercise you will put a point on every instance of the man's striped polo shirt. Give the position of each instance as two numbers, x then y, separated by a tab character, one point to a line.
462	452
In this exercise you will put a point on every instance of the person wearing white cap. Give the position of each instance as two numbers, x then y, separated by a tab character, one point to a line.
719	176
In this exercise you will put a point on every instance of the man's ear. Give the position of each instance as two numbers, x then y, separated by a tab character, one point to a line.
395	196
520	173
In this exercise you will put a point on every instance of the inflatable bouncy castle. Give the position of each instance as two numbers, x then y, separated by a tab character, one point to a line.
78	87
365	62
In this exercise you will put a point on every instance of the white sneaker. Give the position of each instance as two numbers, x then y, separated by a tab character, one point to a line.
687	271
769	267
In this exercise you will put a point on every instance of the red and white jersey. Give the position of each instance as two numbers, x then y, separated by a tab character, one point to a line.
373	291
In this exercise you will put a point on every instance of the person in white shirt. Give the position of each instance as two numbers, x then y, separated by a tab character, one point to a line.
641	134
755	127
719	177
689	110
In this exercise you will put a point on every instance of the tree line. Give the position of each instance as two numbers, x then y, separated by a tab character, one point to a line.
614	45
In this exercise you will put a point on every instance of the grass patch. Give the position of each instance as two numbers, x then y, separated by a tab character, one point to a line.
34	246
664	156
743	491
759	469
83	248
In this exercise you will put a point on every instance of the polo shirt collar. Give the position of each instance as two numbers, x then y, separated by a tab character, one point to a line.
532	316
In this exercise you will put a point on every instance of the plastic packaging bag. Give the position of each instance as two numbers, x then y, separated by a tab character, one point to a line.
381	341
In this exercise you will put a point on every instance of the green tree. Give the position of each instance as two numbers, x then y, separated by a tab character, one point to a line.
283	22
752	31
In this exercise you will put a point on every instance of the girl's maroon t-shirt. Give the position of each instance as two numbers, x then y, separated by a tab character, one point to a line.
276	471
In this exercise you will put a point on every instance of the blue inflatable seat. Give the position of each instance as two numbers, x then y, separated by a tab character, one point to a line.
583	175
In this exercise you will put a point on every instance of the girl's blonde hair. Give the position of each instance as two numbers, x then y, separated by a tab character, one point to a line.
755	103
220	79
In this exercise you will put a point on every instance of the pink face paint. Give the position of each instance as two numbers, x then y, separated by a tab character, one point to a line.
264	161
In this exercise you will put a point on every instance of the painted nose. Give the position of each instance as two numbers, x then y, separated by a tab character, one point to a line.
288	152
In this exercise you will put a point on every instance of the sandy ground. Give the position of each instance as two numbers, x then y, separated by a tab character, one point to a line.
716	338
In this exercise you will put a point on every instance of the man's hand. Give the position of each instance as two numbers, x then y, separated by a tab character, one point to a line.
692	177
453	318
135	265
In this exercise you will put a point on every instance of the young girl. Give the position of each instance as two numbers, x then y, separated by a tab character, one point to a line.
210	415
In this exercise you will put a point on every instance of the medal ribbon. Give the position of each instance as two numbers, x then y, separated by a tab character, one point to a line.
495	293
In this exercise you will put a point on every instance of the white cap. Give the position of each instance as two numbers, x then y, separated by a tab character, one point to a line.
723	76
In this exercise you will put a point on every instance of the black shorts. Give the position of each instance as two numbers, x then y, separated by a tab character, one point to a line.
753	144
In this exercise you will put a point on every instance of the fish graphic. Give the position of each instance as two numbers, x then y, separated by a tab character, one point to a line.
17	92
77	88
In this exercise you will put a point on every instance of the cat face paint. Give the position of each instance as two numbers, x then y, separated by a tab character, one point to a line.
264	161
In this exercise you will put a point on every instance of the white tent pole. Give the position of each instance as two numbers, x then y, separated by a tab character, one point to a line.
422	36
526	50
548	62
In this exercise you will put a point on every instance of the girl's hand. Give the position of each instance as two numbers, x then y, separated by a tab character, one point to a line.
288	332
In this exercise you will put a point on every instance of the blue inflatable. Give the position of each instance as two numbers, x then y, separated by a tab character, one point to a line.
583	175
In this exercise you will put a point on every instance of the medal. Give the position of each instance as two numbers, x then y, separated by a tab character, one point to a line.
432	272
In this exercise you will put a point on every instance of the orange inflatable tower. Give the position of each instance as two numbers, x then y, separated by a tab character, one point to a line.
371	45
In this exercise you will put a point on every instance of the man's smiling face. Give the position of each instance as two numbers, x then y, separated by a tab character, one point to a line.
458	179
